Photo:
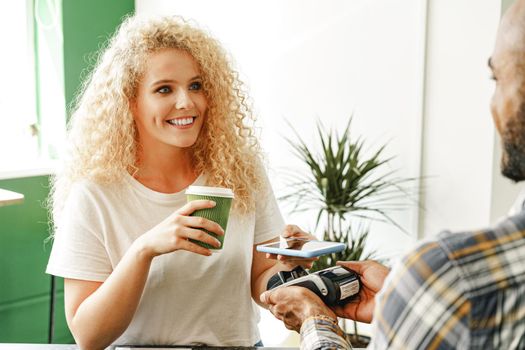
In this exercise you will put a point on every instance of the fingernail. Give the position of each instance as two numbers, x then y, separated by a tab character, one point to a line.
213	203
218	243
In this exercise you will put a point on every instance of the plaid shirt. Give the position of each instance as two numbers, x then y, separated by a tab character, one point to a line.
464	290
321	332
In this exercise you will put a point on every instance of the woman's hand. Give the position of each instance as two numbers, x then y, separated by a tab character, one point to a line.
174	232
293	231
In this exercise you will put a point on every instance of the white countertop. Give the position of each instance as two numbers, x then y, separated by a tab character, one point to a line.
10	197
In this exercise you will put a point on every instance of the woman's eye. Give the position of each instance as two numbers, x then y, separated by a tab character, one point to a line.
163	89
196	86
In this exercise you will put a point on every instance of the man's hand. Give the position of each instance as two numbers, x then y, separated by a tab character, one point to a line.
372	275
293	231
293	305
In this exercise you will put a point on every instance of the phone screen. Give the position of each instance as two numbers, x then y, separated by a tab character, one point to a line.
300	244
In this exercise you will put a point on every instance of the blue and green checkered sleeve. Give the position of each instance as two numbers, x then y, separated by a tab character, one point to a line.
321	332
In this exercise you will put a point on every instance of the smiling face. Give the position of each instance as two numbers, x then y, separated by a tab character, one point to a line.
170	106
508	102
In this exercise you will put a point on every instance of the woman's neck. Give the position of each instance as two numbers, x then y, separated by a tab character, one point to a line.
166	171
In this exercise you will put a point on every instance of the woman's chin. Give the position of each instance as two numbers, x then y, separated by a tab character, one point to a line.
184	144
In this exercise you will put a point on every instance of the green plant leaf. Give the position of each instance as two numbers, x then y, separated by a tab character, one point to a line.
341	183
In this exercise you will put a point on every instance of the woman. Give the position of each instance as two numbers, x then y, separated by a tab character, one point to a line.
162	110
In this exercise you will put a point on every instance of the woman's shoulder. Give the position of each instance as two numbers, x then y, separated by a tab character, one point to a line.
90	186
92	189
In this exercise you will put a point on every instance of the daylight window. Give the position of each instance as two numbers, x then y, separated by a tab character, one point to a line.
32	108
18	117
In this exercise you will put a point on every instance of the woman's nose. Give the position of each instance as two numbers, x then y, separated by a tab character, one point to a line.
183	99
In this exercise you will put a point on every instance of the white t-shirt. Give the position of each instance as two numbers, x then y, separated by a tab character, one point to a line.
188	298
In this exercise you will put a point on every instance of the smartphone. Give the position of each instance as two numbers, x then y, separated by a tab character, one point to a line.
301	247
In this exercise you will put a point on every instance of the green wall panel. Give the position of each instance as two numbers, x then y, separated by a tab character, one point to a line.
61	333
87	26
23	230
24	292
25	320
24	287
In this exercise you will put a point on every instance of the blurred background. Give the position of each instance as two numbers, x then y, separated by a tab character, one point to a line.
411	73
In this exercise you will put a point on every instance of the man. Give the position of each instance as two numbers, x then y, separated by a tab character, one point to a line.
463	290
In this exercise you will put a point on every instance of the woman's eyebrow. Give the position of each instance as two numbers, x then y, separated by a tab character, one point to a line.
165	81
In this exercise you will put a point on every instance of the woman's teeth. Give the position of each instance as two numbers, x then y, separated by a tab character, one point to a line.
181	121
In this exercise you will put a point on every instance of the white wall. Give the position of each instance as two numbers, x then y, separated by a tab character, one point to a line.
464	189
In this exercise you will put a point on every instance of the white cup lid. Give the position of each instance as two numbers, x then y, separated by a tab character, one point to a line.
210	191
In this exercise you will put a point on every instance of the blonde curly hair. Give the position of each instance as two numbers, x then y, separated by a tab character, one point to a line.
102	134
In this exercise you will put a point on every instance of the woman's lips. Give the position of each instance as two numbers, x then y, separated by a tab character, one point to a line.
182	122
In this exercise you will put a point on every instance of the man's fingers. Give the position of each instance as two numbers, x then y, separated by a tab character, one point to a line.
357	266
347	311
290	327
274	296
265	297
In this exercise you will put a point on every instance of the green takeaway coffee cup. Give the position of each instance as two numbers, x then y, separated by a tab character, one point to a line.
220	213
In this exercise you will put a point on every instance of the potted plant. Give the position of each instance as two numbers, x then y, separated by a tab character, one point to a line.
343	181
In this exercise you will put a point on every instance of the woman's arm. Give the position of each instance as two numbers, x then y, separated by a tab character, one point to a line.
262	270
265	265
98	313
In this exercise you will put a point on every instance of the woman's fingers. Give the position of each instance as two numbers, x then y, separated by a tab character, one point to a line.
295	259
202	236
175	232
289	258
190	207
291	231
201	223
306	263
195	248
183	218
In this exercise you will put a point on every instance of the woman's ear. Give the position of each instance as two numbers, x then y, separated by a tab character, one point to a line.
132	102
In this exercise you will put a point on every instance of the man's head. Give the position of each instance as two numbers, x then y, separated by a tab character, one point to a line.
508	102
